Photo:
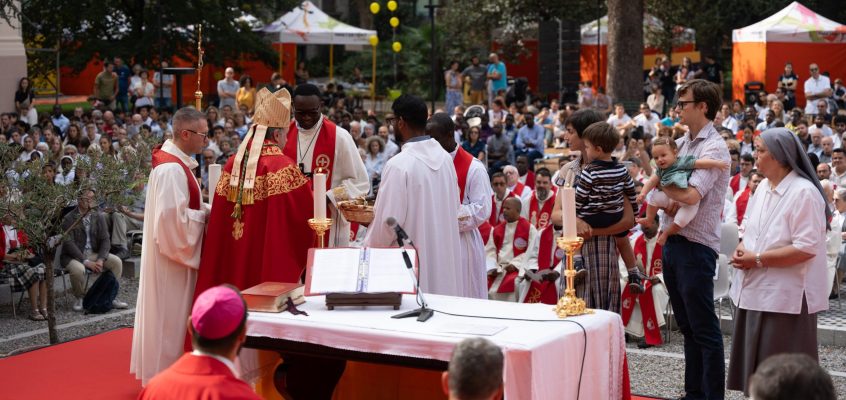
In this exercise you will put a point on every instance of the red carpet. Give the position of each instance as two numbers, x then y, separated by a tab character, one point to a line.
95	367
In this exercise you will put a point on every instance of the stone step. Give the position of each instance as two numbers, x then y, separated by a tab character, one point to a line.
132	267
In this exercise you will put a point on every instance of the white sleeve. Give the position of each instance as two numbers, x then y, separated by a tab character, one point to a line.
349	176
178	229
478	198
390	203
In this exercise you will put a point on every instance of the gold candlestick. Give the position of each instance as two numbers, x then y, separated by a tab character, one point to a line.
570	305
198	95
320	226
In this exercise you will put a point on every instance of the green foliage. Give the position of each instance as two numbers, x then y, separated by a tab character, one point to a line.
139	31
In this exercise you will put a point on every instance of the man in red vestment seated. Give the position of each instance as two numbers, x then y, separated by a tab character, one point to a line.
258	229
218	326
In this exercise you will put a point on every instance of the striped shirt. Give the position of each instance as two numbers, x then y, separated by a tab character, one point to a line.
711	184
602	187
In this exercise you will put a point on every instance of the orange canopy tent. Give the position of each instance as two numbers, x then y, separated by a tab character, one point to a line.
594	41
795	34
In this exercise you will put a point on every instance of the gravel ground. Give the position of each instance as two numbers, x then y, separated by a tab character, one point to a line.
656	372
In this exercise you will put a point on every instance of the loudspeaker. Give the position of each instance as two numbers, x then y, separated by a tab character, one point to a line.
558	59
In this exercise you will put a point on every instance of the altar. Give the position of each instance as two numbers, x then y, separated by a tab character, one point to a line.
545	357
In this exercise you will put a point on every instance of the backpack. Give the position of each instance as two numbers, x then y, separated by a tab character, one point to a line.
99	298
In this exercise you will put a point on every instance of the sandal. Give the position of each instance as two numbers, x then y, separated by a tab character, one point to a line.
36	317
43	312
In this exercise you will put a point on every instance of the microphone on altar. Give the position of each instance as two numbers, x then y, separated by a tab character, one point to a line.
423	313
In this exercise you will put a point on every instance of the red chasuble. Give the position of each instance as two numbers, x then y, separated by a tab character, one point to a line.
519	246
549	255
162	157
540	217
652	332
462	162
197	377
324	148
741	203
271	240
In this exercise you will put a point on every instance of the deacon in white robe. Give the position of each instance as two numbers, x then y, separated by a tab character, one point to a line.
660	296
175	220
500	259
349	176
475	208
538	207
512	178
419	190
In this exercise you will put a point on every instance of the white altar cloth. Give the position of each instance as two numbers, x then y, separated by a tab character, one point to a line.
542	359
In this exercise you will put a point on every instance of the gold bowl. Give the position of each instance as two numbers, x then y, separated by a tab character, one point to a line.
359	211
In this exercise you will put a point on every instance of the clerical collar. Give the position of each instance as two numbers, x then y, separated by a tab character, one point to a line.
418	139
227	362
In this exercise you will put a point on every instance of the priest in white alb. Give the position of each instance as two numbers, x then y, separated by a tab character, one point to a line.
419	190
475	194
511	252
512	179
315	143
538	207
175	220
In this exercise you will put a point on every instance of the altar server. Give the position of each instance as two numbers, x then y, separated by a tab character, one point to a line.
475	194
419	190
314	143
511	251
175	222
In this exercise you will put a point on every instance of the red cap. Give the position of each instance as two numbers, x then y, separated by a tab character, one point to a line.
217	312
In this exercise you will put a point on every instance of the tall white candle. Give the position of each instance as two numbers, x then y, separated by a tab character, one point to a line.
320	196
568	212
214	178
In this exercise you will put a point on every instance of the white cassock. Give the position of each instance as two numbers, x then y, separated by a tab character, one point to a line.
419	190
660	296
497	260
170	256
475	209
526	194
348	172
527	204
833	242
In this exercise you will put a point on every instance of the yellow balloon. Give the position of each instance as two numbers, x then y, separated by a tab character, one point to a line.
394	22
374	7
374	40
392	5
397	47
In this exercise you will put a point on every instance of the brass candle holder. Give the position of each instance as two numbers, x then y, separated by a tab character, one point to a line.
320	226
569	305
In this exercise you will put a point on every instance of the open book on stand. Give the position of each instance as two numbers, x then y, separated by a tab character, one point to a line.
359	276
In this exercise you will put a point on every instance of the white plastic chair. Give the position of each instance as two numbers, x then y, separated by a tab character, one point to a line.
729	238
722	284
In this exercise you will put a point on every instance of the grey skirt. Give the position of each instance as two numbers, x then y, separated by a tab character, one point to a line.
759	334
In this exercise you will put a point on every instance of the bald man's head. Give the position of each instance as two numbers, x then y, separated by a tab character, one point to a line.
511	209
441	128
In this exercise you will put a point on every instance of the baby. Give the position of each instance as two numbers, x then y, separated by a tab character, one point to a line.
672	170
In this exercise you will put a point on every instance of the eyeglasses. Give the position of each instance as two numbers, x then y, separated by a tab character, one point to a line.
203	134
814	69
390	121
682	103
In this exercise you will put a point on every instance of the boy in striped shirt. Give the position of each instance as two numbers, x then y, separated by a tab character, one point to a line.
602	187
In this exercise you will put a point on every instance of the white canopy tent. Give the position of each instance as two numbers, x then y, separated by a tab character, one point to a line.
307	24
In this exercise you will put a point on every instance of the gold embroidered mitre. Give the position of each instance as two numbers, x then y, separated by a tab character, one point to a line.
272	110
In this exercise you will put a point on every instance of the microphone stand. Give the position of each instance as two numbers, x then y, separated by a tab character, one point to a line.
423	313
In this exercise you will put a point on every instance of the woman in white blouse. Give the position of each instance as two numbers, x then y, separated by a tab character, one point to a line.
780	284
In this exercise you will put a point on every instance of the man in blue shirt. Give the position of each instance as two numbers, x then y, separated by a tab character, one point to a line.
60	121
530	139
123	72
497	75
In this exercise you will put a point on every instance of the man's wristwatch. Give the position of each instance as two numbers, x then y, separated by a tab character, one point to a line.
758	263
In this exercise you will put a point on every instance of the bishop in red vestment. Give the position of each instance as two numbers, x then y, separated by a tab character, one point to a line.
258	230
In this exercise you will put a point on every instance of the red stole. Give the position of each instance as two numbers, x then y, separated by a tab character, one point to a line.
741	203
651	330
540	218
519	246
162	157
530	180
549	255
734	183
485	231
518	189
497	217
324	148
462	162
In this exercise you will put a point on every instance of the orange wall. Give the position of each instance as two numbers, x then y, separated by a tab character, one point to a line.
748	64
587	64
